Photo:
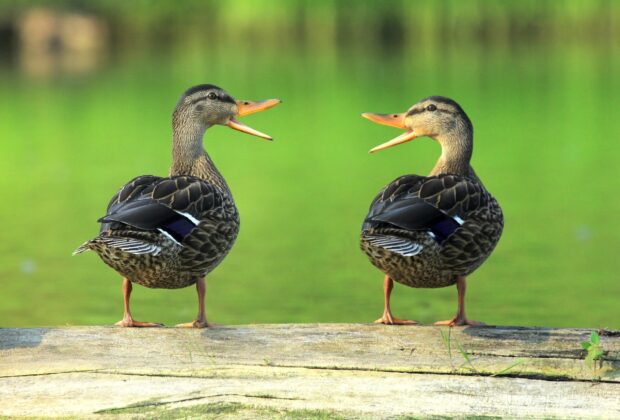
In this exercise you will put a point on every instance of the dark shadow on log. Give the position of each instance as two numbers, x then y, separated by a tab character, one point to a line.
525	334
14	338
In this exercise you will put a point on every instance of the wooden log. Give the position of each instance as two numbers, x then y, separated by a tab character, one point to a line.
308	370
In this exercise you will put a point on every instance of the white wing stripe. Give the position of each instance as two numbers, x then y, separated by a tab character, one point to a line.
188	217
402	246
169	236
132	246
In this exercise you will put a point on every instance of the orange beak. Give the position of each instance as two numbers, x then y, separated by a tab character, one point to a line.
393	120
250	107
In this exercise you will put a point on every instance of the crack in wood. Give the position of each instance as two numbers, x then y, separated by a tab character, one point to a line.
50	373
479	373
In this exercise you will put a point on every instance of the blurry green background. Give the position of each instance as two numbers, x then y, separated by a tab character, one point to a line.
86	95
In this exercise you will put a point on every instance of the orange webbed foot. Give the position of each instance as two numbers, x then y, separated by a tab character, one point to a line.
196	324
389	319
129	322
460	322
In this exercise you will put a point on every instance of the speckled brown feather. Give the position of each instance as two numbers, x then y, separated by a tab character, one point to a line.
176	266
438	265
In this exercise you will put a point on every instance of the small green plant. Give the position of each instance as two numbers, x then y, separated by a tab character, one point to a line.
593	349
509	368
468	363
447	340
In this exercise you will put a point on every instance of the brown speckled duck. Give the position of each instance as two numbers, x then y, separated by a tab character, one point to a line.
171	232
432	231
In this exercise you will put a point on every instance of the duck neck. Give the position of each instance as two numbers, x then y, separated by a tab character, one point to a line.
189	156
456	149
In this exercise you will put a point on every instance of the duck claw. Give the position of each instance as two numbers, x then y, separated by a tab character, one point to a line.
131	323
460	322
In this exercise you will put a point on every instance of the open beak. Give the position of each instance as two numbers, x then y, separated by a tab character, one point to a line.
393	120
250	107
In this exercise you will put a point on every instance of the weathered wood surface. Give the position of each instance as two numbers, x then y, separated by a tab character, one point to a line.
277	370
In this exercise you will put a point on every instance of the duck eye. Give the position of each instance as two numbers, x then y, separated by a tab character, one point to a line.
431	107
212	95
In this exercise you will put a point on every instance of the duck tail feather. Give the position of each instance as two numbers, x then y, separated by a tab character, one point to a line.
82	248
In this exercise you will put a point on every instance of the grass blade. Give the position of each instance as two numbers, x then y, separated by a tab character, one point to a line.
512	366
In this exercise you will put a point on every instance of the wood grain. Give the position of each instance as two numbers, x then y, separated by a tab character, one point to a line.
347	369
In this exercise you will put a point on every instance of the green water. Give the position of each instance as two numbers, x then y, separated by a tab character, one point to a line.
546	145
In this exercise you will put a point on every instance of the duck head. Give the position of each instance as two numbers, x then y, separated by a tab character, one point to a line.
436	116
207	105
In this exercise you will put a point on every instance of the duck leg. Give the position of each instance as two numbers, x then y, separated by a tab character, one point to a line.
128	320
201	318
387	317
460	318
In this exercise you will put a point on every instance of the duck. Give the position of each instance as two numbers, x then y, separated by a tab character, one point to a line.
436	230
170	232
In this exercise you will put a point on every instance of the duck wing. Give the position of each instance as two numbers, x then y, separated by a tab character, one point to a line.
174	206
439	205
